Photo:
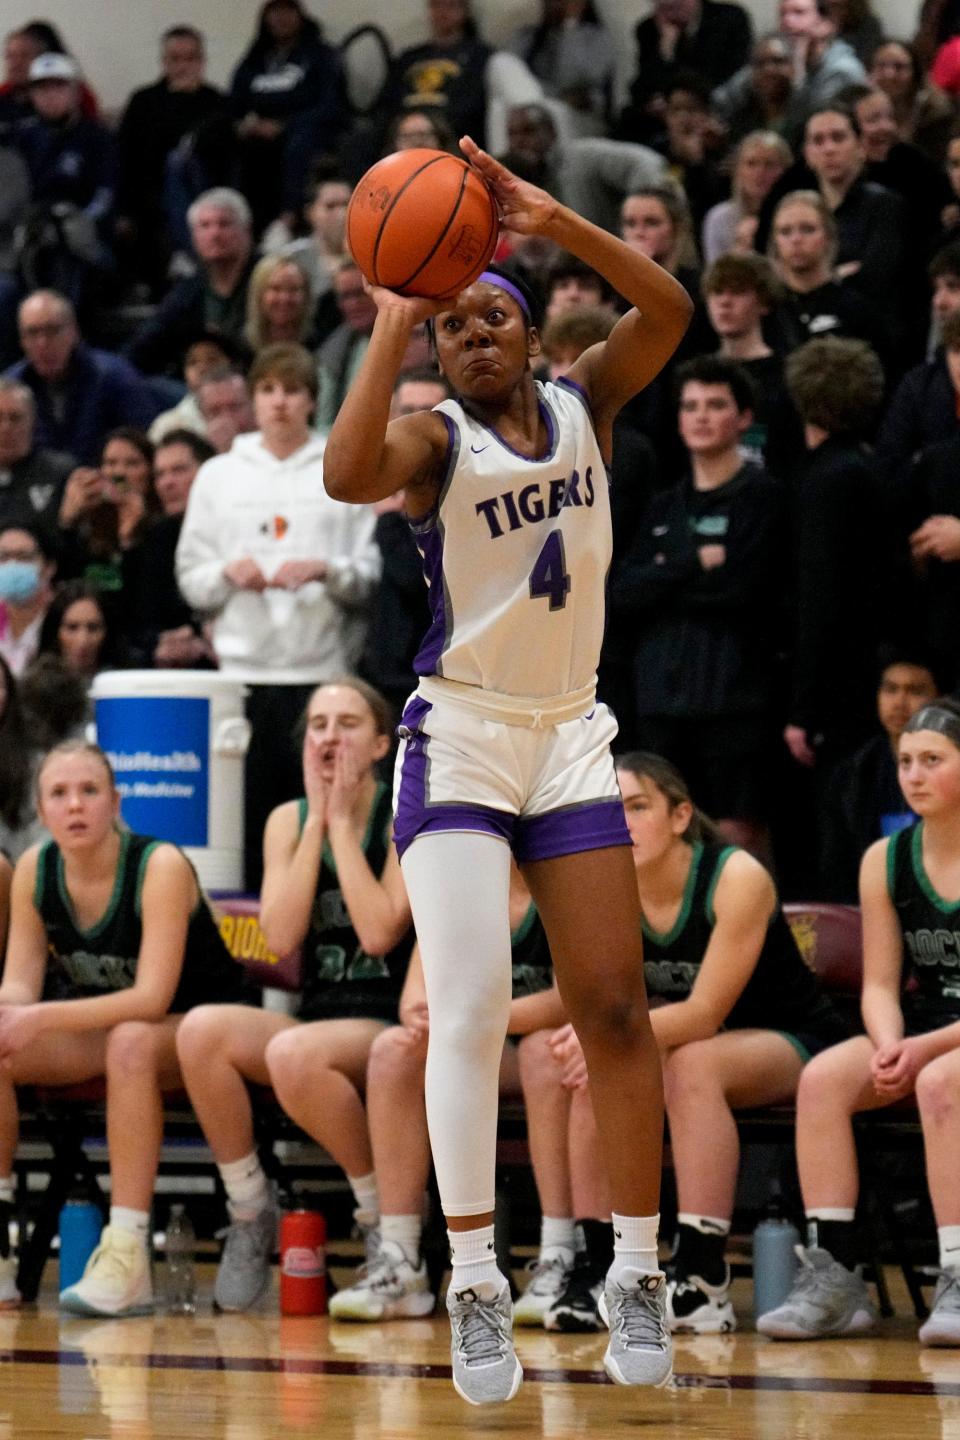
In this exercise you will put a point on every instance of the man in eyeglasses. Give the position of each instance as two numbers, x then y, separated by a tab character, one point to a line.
80	393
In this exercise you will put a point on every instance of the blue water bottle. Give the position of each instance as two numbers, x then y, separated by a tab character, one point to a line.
80	1224
774	1260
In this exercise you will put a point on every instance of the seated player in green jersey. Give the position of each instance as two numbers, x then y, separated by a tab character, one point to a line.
736	1015
332	886
111	942
910	902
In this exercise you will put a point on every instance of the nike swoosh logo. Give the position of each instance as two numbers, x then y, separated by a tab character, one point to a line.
619	1234
479	449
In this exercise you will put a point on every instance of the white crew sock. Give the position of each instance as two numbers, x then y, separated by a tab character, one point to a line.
558	1236
8	1189
635	1244
475	1262
247	1187
135	1222
837	1213
365	1193
404	1231
949	1238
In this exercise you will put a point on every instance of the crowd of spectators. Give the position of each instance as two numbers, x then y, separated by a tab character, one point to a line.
176	297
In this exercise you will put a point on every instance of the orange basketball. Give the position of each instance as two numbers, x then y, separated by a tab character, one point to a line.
423	223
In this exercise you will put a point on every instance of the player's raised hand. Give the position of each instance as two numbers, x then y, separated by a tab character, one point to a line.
415	308
523	207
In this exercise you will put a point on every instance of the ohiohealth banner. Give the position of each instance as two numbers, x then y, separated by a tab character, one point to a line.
160	753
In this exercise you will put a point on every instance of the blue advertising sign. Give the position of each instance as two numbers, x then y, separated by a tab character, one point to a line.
160	752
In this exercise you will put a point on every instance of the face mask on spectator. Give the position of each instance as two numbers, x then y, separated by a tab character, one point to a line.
19	581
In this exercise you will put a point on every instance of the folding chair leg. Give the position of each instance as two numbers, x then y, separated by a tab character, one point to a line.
35	1251
878	1204
71	1169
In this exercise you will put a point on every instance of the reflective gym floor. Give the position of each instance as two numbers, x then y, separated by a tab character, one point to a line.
261	1375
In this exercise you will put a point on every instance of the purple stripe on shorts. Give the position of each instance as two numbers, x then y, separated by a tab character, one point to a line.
477	818
414	816
415	712
592	826
412	791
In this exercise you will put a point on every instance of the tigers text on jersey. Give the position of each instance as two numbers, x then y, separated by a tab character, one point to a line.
516	554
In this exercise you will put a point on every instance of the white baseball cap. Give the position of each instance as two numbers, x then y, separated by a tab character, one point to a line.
53	67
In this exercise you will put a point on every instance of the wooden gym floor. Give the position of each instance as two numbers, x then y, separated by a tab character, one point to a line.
255	1376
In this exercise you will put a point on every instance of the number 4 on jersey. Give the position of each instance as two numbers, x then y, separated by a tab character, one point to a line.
549	575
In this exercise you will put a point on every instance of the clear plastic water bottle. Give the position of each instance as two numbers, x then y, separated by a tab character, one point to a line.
774	1260
180	1279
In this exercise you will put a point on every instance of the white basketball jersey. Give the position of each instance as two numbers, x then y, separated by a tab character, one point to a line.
516	554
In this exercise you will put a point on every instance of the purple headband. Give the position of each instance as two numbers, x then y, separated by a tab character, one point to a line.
491	278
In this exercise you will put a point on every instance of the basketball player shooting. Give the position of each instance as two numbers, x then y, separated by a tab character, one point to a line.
504	745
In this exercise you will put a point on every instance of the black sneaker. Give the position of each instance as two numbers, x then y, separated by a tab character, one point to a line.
577	1310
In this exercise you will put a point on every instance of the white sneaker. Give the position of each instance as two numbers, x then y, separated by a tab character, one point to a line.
388	1289
942	1326
116	1280
9	1294
548	1280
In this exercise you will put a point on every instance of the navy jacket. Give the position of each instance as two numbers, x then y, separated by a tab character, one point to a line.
73	163
100	392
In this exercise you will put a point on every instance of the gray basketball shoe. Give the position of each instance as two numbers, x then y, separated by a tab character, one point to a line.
826	1299
244	1270
486	1370
640	1351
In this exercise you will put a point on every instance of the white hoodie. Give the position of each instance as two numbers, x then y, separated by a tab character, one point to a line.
248	502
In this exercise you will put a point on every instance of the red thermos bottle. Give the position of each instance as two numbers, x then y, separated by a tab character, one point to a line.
303	1263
